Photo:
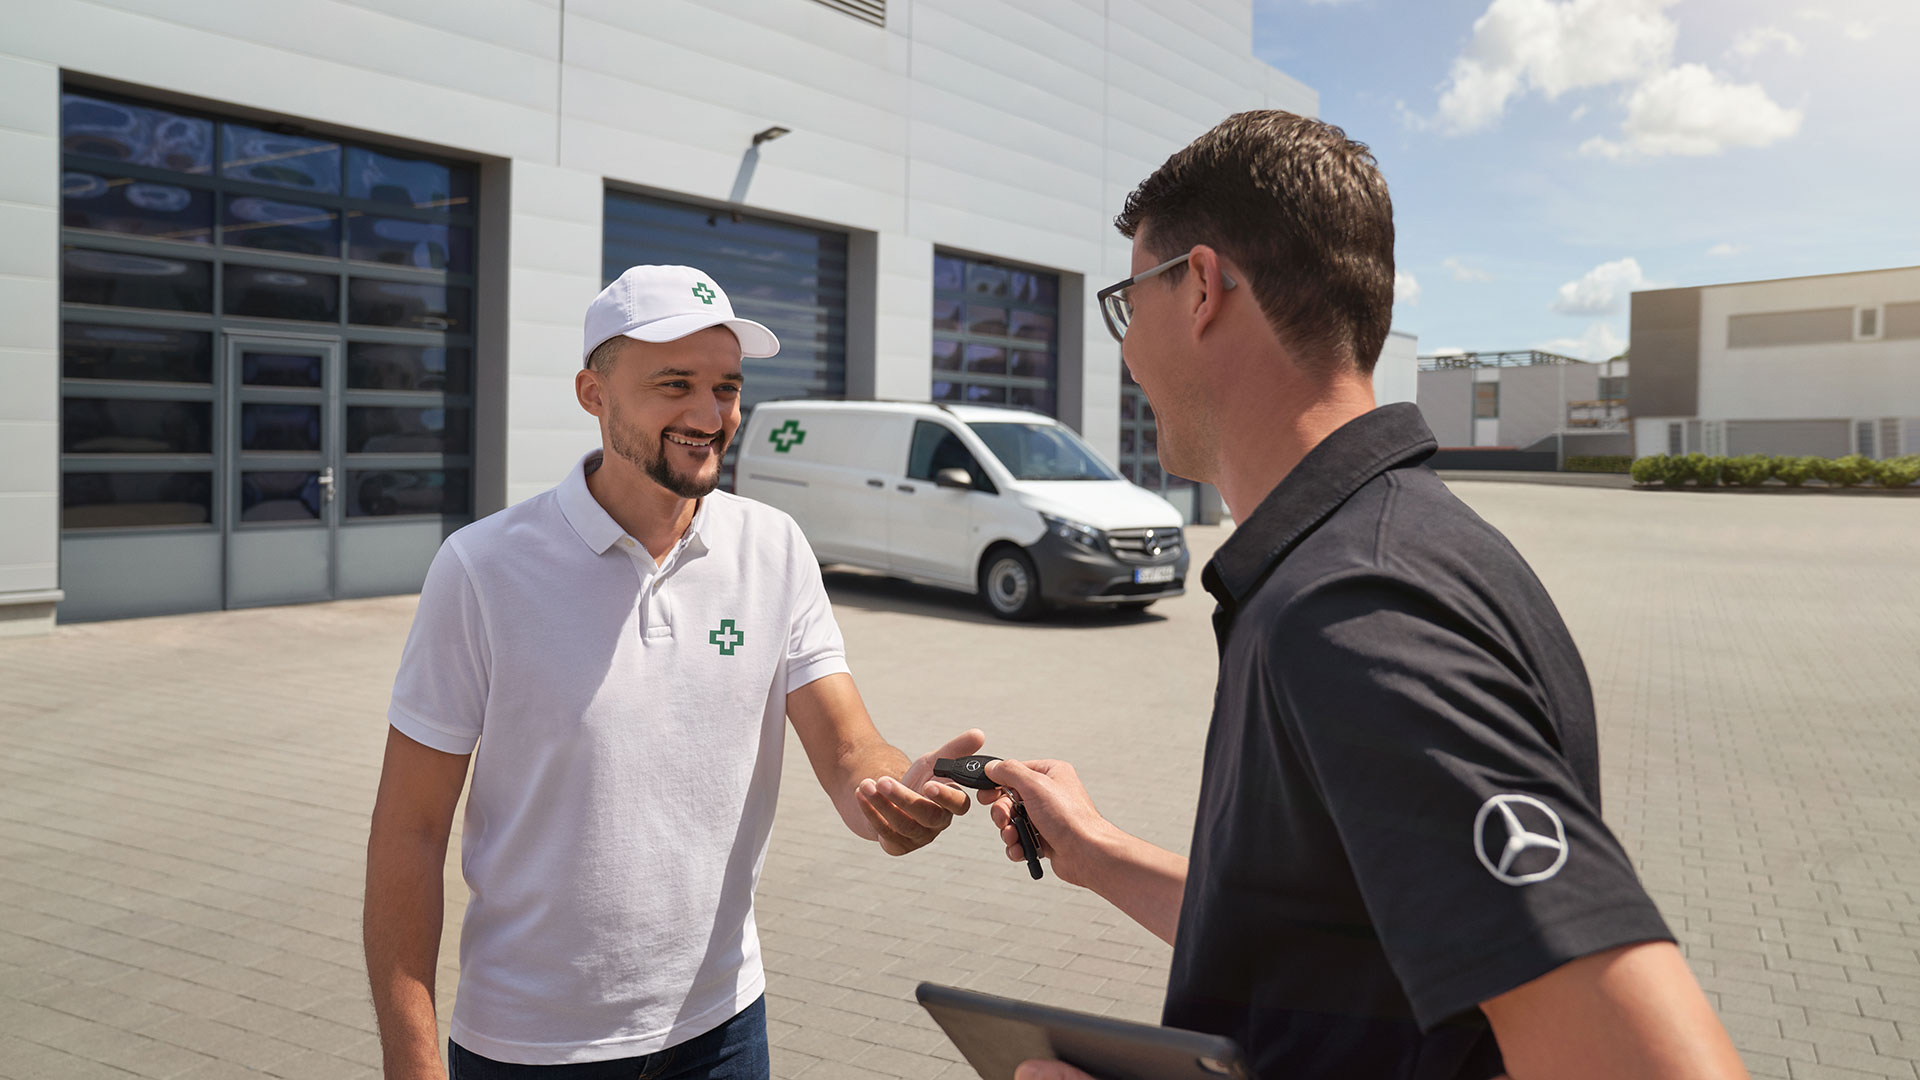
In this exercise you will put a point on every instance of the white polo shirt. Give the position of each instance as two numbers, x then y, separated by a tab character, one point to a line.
629	721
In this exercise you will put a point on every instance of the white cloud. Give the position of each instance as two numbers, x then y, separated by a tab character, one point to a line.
1854	29
1690	111
1405	289
1462	272
1600	342
1602	290
1722	250
1759	39
1521	45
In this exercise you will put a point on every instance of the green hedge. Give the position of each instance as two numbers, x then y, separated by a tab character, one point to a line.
1754	470
1609	463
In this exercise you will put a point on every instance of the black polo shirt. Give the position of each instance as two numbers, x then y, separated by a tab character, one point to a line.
1400	811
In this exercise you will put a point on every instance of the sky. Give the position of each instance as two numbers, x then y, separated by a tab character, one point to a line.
1548	157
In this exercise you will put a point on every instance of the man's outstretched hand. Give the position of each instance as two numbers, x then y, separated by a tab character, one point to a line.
909	812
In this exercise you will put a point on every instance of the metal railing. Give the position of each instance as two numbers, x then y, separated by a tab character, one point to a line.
1511	358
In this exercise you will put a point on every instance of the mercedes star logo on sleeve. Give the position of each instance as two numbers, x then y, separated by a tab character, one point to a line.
1513	846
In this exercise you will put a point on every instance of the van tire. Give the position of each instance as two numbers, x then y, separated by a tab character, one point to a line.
1009	585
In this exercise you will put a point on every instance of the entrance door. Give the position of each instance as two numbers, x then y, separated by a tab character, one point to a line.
279	468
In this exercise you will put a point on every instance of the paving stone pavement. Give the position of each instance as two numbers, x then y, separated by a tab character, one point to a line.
183	803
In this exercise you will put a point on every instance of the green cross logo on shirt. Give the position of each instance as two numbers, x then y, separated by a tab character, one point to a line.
727	638
702	292
787	436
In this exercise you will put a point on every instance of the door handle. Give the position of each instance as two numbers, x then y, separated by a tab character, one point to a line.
908	488
876	483
326	484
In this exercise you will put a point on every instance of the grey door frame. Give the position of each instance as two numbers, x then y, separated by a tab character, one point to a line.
228	458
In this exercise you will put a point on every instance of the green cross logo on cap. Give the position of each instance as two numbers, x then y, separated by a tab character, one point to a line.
703	292
787	436
727	638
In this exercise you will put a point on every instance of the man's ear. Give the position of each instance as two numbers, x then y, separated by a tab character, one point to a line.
1208	299
590	387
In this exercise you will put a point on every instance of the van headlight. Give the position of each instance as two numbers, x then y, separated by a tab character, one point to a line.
1085	537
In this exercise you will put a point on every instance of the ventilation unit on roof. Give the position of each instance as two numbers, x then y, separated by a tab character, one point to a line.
873	11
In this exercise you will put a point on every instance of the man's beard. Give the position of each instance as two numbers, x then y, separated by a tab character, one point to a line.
629	443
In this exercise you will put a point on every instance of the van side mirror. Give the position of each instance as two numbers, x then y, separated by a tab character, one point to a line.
954	478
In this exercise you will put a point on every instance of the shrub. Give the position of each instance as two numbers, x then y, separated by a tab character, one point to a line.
1703	470
1652	469
1795	471
1602	463
1751	470
1898	472
1848	471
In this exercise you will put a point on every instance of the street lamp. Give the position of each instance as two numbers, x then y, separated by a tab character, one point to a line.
770	134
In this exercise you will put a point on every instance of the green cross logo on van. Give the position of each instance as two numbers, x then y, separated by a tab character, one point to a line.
727	638
787	436
702	292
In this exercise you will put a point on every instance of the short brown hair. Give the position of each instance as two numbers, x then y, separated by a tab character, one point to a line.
1301	209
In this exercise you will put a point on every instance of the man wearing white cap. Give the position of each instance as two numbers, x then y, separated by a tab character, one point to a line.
618	656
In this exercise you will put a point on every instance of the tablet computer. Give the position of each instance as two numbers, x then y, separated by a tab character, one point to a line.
996	1034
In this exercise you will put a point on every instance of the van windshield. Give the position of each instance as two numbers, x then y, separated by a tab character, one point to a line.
1042	452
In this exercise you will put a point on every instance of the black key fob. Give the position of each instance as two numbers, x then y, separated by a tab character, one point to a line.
968	772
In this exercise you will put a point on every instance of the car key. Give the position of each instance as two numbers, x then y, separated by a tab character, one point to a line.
971	772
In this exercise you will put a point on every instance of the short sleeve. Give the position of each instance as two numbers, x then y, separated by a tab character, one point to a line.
814	646
1481	859
440	693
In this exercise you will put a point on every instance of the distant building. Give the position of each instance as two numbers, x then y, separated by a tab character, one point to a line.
1395	374
1525	400
1826	365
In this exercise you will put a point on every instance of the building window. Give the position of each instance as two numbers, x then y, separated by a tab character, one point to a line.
1613	388
1866	325
1676	439
183	232
1486	401
995	334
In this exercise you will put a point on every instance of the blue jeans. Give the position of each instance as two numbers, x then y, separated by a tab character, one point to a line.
736	1050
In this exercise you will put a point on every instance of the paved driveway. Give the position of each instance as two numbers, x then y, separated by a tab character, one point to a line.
183	802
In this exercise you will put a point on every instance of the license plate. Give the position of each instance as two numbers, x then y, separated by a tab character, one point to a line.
1152	575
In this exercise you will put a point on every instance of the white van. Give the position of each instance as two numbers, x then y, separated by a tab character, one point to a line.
1005	503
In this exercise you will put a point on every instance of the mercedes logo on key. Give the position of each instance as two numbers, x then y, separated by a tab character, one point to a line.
1523	843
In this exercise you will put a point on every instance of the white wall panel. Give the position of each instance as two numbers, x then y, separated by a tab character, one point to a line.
1839	380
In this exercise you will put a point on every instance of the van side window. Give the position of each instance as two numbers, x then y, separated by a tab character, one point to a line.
936	447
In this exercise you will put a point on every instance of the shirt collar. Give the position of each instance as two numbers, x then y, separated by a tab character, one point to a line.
1389	437
597	528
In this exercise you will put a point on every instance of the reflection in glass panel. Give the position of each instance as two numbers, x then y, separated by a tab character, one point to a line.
401	303
385	429
388	492
1033	288
1126	441
251	221
373	366
1126	405
946	314
140	207
987	320
281	294
984	280
279	496
135	353
134	426
406	181
121	280
986	360
1031	325
946	355
429	245
987	395
944	390
1151	477
1034	365
135	500
949	273
279	369
269	157
1029	397
279	427
1127	470
135	134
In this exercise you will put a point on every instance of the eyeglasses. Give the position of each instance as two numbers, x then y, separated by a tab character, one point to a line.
1119	310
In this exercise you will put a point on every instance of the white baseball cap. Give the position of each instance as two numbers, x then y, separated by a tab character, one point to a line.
666	303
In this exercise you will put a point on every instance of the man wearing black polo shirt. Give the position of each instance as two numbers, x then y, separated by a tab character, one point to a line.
1399	867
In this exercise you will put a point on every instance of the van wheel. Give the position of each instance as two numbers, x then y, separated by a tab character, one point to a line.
1010	585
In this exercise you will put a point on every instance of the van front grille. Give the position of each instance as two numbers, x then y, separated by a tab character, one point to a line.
1147	545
